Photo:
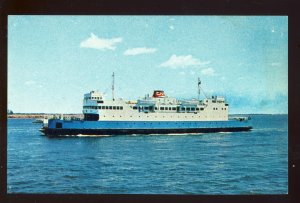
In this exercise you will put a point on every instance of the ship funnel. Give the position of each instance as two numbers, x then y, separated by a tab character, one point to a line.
158	93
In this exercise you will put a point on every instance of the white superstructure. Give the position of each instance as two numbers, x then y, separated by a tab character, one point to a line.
159	107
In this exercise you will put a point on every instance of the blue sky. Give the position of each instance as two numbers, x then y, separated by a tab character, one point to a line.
54	60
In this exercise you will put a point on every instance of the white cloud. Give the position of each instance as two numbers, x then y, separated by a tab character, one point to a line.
208	71
139	50
97	43
171	27
183	62
30	82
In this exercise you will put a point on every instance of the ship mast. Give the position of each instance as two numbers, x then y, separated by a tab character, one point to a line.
113	86
199	83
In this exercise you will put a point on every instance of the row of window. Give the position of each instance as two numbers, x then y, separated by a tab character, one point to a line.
93	98
217	108
169	108
166	116
104	107
149	108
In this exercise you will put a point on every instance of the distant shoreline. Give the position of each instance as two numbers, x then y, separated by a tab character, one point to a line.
41	116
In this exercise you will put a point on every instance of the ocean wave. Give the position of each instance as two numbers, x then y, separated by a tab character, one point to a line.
268	129
83	135
225	132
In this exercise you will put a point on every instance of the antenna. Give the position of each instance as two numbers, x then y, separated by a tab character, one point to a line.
199	83
113	86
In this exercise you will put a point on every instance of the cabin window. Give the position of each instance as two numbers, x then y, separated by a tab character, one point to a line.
188	108
114	108
146	108
121	107
197	109
99	102
170	108
110	107
162	108
135	108
173	108
192	109
156	108
91	117
118	108
106	107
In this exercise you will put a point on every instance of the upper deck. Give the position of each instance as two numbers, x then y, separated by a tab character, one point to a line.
157	107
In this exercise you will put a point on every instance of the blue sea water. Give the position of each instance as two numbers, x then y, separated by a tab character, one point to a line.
254	162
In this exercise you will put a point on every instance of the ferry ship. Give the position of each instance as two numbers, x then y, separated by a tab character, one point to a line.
155	114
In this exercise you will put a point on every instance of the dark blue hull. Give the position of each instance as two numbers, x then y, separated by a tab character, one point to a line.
62	127
49	131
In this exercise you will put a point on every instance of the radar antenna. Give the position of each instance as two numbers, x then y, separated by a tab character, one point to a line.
113	86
